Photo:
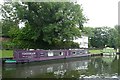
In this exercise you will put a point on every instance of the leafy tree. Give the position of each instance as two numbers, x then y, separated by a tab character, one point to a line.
113	38
6	25
0	28
46	24
101	36
117	27
9	19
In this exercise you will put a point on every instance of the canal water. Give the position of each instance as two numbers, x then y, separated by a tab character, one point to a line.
86	67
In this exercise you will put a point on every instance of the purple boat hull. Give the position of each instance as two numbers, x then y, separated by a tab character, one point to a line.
40	55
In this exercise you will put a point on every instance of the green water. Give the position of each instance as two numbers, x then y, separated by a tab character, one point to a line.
87	67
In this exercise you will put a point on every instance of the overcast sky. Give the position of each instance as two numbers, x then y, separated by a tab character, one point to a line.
99	12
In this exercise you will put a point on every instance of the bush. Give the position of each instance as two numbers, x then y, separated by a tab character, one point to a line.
8	45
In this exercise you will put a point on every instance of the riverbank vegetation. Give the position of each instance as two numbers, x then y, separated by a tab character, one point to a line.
44	25
101	37
97	51
51	26
6	53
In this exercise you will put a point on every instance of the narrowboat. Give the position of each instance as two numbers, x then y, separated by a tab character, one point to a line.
24	56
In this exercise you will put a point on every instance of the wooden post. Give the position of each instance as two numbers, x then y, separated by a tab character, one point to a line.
119	38
118	26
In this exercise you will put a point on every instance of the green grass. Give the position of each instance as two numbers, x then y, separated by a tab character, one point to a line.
95	51
6	53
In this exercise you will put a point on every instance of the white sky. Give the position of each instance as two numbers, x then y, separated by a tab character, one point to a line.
100	12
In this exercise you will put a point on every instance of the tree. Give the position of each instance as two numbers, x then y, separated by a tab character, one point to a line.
101	36
117	27
46	24
6	26
113	38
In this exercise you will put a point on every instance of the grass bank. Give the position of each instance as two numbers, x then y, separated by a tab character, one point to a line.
6	53
95	51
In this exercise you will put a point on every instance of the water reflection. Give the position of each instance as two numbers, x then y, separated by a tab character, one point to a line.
94	67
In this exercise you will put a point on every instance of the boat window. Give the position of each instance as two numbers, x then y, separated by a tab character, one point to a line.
85	51
50	53
78	52
58	53
82	52
73	53
61	53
